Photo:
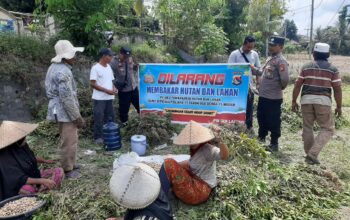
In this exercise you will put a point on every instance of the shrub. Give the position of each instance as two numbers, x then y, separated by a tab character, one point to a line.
144	53
213	41
25	47
291	48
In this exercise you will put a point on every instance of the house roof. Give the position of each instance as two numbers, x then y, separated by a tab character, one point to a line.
7	13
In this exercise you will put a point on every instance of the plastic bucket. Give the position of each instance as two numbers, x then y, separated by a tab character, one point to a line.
139	144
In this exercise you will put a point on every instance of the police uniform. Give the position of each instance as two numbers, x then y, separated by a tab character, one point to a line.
275	78
129	93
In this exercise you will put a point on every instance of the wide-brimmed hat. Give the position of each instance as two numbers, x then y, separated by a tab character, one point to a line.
65	49
134	186
194	133
12	131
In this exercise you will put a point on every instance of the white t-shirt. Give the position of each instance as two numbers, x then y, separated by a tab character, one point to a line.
104	77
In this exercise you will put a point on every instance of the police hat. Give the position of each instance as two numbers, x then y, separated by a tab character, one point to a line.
106	52
125	51
276	40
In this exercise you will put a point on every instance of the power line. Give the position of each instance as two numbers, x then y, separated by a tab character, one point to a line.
297	9
341	5
319	5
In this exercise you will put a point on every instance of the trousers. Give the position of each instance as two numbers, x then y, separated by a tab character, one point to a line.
269	118
323	116
125	100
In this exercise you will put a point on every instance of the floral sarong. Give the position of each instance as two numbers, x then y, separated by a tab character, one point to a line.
186	186
55	174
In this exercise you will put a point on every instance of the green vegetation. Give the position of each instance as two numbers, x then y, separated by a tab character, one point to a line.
157	129
83	21
149	52
190	25
252	185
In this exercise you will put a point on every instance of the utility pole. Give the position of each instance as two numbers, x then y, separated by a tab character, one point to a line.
311	28
268	23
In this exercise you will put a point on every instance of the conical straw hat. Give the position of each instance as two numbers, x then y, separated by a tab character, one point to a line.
135	186
11	131
194	133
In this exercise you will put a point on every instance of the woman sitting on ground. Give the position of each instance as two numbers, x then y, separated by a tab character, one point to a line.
19	173
193	180
137	188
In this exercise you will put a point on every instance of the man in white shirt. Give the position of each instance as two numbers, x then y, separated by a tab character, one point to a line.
101	80
246	54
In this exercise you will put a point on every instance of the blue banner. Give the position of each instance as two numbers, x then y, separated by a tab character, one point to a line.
206	93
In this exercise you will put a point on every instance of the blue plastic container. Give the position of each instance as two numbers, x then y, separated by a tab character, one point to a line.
111	136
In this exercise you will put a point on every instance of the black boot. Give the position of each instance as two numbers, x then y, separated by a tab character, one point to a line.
272	148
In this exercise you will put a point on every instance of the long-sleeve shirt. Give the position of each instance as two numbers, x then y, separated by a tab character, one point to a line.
122	69
275	77
61	89
253	58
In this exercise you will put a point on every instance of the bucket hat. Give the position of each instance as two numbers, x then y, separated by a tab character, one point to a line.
12	131
65	49
134	186
194	133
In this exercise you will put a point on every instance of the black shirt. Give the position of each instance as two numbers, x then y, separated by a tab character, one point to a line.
17	163
159	209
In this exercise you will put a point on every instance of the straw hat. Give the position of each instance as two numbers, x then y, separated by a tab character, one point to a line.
11	131
65	49
134	186
194	133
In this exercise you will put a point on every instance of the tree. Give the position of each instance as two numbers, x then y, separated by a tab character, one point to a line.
329	35
84	22
27	6
290	30
188	23
344	44
264	16
233	22
133	14
213	41
337	37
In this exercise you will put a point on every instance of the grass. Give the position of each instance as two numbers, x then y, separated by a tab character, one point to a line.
346	95
88	197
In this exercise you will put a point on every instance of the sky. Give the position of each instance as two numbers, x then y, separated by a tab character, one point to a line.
325	13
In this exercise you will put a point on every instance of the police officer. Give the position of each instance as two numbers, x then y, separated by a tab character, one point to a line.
274	79
126	82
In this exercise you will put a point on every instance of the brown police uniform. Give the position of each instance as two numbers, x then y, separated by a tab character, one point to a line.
275	78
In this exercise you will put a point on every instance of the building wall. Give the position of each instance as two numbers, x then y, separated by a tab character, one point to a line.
10	23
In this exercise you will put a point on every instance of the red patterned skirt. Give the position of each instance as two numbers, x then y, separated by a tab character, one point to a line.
189	188
55	174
